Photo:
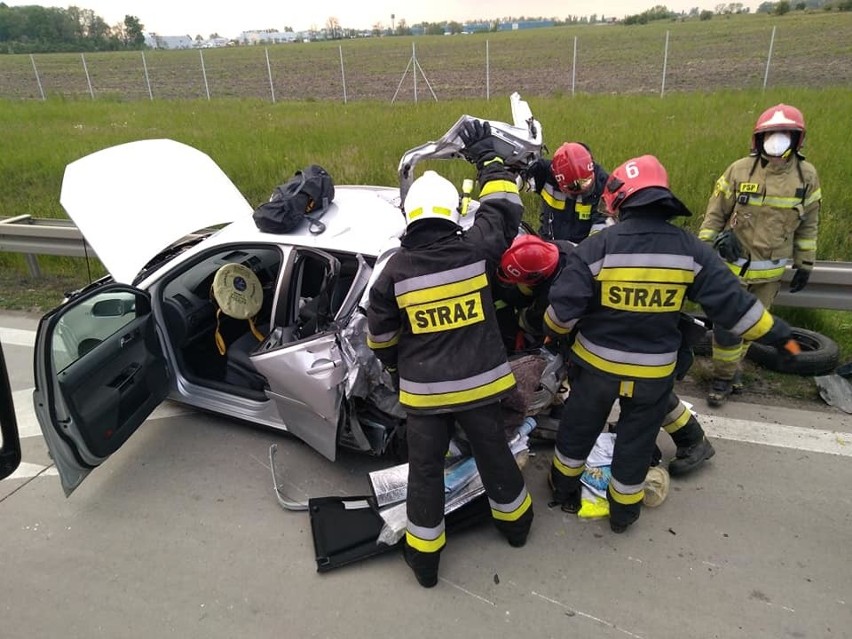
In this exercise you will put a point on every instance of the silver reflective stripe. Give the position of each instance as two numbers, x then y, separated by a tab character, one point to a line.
554	192
767	265
675	413
436	388
384	337
626	489
423	532
624	357
595	267
649	260
502	195
568	461
511	506
551	316
749	319
437	279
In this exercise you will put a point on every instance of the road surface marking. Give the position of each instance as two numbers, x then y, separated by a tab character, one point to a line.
17	337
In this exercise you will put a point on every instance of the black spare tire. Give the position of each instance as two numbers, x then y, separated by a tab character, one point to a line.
820	355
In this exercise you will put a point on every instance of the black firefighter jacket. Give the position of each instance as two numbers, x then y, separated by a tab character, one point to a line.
622	290
431	312
564	217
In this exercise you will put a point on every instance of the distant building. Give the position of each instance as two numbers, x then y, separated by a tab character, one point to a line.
155	41
268	37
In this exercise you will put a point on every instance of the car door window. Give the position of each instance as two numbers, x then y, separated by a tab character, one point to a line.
87	325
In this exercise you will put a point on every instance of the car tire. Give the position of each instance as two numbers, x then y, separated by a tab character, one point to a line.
820	355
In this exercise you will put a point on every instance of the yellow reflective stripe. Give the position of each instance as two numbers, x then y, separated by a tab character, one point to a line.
500	305
426	545
761	328
374	344
554	325
515	514
552	202
647	371
442	291
806	244
485	391
498	186
678	422
813	197
764	274
568	471
706	235
727	353
641	274
437	210
722	187
625	388
777	202
626	498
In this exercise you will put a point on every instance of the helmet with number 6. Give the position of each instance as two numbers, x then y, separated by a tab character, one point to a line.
773	123
431	197
528	261
639	182
573	168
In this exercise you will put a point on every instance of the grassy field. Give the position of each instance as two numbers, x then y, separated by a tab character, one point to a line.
258	144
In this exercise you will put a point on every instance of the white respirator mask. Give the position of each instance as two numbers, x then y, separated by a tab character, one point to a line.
777	144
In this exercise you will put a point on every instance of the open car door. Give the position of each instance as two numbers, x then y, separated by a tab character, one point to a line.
303	366
100	372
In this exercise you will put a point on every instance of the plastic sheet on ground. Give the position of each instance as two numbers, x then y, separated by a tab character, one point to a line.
835	391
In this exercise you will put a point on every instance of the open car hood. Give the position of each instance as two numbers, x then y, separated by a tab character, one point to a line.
133	200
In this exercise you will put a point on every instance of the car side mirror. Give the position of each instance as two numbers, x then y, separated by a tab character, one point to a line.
111	308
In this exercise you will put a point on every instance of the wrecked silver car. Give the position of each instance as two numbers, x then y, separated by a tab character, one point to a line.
155	328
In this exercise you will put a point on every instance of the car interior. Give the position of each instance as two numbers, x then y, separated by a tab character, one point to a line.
302	292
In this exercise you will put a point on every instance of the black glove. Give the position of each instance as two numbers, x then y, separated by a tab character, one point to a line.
728	246
538	172
800	280
480	145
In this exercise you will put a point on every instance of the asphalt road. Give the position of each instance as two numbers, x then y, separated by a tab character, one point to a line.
179	534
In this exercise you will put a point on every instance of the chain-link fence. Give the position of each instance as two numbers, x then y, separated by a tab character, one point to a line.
688	56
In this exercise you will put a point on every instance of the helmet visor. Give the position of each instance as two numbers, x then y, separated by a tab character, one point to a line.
776	144
578	187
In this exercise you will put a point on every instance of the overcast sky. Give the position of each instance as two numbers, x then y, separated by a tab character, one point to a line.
229	18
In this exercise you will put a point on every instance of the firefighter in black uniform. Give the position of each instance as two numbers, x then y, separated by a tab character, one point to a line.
530	266
621	292
570	186
431	317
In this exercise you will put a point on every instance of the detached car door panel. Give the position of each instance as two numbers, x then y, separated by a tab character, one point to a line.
100	372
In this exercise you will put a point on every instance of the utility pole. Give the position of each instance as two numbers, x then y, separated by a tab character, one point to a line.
392	27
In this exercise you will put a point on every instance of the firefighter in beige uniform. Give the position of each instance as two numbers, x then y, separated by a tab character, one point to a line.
762	216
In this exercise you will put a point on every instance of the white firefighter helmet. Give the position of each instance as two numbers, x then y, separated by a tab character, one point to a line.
431	197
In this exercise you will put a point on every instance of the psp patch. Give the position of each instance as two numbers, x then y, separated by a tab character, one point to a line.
446	315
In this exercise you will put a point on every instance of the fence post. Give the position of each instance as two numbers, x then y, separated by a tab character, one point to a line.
38	79
269	74
768	58
665	64
487	72
204	74
414	60
574	67
342	72
88	79
147	79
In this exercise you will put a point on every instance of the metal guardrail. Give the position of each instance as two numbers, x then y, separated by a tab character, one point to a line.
830	286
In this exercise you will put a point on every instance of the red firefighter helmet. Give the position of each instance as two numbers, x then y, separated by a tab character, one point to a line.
642	181
529	260
781	117
573	168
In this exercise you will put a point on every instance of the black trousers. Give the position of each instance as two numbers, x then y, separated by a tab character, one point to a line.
428	440
643	405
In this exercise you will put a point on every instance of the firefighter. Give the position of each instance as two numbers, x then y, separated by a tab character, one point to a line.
620	293
431	317
570	186
762	216
531	265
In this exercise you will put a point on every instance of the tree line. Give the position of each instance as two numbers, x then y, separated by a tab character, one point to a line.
37	29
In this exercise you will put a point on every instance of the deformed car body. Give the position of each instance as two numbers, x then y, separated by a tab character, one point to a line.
164	219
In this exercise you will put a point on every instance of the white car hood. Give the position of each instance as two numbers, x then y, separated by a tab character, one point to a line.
133	200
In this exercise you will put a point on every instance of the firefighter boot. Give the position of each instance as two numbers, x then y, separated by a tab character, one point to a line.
423	564
688	458
720	390
567	498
